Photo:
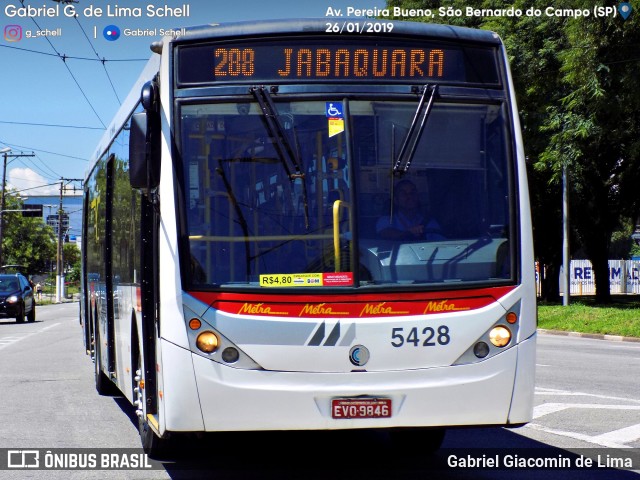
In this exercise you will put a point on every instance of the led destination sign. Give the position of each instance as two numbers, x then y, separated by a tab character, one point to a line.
333	60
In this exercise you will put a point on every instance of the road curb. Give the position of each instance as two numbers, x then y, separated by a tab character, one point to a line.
594	336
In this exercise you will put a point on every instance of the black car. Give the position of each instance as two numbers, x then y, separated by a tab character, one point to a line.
16	298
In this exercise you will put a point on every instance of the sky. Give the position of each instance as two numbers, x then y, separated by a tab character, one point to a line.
58	92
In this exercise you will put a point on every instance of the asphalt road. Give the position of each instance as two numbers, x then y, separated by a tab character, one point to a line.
587	404
587	393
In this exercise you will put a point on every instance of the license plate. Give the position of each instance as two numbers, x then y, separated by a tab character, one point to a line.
343	408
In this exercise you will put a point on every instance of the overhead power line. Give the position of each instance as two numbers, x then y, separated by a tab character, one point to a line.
47	167
70	72
49	125
65	57
43	151
31	164
34	188
98	57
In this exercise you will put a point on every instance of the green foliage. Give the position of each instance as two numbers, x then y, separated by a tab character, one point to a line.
621	242
72	258
599	76
619	318
26	241
578	90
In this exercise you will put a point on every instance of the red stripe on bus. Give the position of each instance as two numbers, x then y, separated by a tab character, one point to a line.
358	305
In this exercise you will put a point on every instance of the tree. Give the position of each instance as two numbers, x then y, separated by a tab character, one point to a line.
533	44
71	257
595	131
26	241
577	87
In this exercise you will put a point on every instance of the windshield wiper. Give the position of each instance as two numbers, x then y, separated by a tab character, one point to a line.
403	162
281	142
286	152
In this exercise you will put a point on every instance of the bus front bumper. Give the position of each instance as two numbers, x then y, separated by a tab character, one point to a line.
498	391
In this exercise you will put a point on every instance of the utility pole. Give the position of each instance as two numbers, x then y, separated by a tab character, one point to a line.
60	256
59	260
566	260
6	153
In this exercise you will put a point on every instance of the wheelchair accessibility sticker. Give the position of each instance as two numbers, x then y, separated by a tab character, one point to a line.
333	110
335	117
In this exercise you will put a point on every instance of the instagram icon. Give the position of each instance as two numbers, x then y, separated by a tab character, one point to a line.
13	33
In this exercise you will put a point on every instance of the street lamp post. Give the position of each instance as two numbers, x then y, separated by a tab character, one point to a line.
5	151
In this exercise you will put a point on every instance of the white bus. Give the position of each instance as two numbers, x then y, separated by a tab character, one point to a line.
249	263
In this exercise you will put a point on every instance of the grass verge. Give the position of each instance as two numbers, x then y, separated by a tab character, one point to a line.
621	317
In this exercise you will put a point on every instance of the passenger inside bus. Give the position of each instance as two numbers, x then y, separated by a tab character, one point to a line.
407	221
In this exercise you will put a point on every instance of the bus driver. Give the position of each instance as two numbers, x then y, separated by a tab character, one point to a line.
407	221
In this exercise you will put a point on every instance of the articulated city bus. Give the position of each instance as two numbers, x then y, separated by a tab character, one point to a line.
287	227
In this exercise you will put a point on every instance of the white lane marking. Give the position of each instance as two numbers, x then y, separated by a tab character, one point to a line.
10	340
615	439
547	408
565	393
623	435
578	436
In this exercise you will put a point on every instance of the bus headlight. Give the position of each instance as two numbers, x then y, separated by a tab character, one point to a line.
500	336
207	342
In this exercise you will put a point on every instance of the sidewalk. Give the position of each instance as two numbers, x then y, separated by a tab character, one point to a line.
51	299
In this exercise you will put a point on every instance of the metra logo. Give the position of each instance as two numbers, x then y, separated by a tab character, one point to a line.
259	309
380	309
319	309
443	306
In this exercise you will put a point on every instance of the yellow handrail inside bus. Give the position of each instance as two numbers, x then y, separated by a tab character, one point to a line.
337	205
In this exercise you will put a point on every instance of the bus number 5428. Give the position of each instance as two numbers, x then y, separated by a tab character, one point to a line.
429	337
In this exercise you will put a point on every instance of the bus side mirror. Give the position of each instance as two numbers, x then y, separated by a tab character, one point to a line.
144	145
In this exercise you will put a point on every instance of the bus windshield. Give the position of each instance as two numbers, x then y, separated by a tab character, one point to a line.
317	199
